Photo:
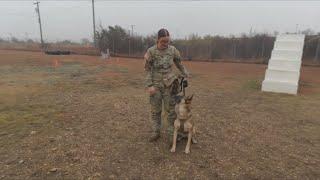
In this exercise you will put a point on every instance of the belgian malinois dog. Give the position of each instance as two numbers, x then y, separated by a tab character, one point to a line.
184	122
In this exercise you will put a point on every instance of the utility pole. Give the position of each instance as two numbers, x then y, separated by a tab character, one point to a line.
39	19
94	24
130	38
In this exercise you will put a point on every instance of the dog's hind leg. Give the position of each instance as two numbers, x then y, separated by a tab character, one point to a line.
175	135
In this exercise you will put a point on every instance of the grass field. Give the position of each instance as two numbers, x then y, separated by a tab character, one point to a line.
81	117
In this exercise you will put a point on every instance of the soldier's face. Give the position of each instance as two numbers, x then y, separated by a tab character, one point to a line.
163	42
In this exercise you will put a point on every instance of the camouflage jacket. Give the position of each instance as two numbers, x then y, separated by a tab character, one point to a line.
159	66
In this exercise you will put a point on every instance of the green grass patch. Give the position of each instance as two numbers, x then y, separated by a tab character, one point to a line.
253	85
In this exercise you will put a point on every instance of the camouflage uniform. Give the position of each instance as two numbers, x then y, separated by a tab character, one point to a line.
160	74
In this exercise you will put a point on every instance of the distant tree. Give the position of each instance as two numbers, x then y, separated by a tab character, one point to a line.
85	41
14	40
114	38
194	46
30	41
66	42
308	32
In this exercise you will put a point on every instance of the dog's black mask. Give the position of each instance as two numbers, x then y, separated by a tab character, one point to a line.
178	99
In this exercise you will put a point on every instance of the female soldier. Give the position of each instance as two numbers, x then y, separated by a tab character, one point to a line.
159	60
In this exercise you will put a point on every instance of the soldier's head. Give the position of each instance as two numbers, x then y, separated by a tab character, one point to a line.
163	39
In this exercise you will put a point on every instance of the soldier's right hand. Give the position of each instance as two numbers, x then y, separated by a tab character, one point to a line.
151	90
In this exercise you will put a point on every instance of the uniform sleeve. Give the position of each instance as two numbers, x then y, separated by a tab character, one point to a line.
148	69
177	61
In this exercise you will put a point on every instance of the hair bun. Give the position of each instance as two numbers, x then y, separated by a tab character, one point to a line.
163	33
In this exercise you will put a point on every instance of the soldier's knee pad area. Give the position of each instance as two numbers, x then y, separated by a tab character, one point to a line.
156	110
156	113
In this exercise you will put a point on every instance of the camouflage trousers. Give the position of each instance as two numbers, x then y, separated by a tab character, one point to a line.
162	100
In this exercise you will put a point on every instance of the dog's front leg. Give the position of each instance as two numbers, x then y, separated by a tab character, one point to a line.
175	135
187	150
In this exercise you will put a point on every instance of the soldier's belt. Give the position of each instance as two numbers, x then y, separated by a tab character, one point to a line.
162	71
162	67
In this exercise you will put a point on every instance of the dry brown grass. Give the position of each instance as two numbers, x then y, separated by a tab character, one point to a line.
89	119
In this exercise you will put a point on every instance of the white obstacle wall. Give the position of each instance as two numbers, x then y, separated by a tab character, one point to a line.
284	66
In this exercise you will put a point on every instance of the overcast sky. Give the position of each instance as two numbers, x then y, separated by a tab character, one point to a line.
73	19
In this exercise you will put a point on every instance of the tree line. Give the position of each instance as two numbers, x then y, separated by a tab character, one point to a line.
247	47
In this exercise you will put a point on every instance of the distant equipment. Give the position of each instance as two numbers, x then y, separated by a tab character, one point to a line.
105	55
283	71
58	52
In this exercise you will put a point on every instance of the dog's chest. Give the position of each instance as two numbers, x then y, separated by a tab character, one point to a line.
182	112
185	125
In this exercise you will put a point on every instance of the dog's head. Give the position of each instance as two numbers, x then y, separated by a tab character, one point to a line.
183	99
186	102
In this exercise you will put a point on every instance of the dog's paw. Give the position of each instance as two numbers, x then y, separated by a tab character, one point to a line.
187	151
194	140
173	150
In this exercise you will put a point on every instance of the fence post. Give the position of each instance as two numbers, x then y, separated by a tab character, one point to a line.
262	53
316	57
234	49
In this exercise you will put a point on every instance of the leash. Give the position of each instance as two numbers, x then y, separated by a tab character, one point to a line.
183	85
182	89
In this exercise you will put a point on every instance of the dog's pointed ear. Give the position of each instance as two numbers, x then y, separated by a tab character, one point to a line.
191	97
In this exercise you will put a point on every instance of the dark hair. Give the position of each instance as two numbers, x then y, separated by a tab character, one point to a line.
163	33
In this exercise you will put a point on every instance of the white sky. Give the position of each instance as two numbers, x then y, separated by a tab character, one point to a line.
73	19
